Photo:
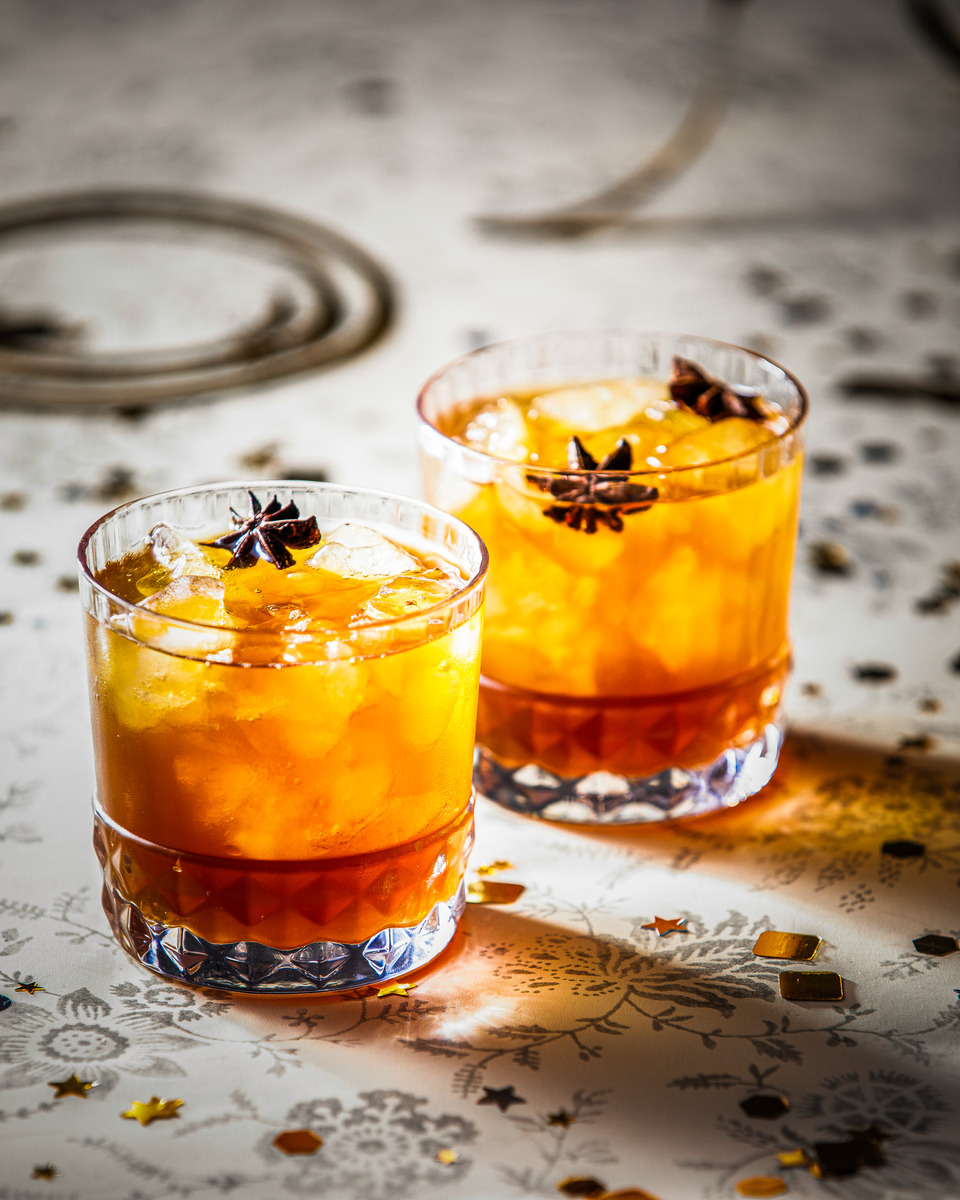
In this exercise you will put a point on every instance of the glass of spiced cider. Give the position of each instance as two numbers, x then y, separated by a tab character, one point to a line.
284	690
638	495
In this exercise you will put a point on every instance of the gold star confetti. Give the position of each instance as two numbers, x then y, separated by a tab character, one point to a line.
29	987
487	892
154	1109
396	989
665	925
811	985
501	864
447	1157
298	1141
761	1185
501	1097
48	1171
793	1158
72	1086
581	1185
797	946
560	1117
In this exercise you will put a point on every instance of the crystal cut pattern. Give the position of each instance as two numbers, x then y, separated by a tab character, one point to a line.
630	737
248	966
605	798
311	925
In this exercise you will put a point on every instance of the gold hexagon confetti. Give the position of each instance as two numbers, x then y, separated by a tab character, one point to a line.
486	891
766	1106
628	1194
298	1141
799	947
811	985
581	1185
761	1185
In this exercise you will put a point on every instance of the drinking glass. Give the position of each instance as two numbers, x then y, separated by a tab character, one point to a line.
634	656
282	810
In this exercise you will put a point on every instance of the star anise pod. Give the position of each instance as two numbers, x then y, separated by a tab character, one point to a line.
599	494
694	389
267	534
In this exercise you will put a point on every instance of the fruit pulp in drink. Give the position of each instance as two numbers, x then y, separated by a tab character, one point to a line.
256	779
657	638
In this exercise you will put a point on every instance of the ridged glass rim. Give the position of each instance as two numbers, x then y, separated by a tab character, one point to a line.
298	637
648	472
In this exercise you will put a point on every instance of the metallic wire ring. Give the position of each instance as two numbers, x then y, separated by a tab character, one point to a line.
351	306
617	204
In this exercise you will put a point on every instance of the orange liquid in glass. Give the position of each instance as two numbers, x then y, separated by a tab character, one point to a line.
284	802
658	645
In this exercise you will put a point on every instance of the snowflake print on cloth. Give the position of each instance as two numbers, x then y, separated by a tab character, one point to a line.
382	1148
84	1036
910	1114
891	1100
680	987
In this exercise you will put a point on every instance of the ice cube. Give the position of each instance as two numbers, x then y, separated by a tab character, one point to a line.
193	598
717	442
404	596
357	552
499	428
175	551
590	407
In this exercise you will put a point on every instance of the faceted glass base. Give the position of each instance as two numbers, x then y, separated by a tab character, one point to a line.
247	966
606	798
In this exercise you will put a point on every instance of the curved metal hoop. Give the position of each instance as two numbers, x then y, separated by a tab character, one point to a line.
351	305
616	204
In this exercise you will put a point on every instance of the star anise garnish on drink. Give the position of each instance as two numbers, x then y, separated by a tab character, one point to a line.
267	534
692	388
599	494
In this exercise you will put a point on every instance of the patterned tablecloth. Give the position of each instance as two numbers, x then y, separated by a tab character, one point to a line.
559	1037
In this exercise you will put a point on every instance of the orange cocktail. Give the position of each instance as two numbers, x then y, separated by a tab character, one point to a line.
283	705
638	496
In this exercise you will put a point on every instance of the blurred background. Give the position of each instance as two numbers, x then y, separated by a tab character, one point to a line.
807	208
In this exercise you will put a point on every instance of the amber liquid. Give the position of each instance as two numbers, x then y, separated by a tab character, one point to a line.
285	804
659	645
284	903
